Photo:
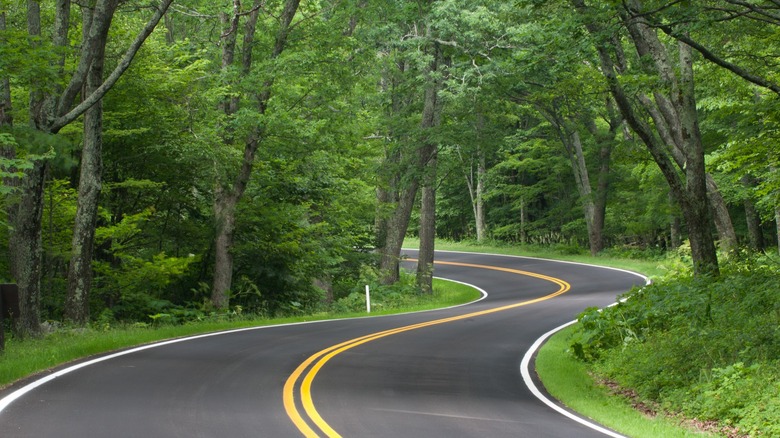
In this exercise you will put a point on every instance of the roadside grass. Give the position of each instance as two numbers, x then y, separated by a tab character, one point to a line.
567	380
22	359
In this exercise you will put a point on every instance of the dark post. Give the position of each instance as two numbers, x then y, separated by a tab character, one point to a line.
2	325
9	308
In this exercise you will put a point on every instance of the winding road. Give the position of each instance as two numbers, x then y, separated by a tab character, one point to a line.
446	373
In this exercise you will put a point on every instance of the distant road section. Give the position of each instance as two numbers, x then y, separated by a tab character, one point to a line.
446	373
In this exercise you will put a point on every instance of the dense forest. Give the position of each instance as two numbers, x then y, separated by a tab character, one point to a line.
172	157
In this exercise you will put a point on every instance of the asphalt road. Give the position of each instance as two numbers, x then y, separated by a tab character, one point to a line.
446	373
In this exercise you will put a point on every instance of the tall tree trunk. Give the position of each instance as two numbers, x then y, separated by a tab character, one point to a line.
427	223
25	240
225	217
752	217
427	164
582	178
90	185
572	143
228	197
475	183
397	224
777	227
479	201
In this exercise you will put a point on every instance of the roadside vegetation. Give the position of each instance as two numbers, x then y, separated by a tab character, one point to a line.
702	348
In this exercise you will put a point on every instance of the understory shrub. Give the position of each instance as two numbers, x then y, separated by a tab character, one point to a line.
401	294
705	347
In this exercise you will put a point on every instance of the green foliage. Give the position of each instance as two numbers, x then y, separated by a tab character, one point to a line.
382	296
706	347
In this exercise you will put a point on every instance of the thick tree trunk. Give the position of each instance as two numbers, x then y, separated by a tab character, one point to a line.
427	167
397	224
427	223
25	241
90	185
224	212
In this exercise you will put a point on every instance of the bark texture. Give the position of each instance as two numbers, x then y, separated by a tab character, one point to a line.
428	163
90	185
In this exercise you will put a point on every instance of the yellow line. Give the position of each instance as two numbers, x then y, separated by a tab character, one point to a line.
322	357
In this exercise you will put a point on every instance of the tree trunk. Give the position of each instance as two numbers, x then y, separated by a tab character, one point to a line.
675	227
721	217
90	185
427	239
777	227
752	217
572	143
427	223
225	217
25	240
479	213
395	233
427	167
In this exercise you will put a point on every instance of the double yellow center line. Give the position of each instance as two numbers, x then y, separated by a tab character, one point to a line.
307	371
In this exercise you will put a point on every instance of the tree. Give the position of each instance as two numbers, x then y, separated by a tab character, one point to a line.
52	107
675	103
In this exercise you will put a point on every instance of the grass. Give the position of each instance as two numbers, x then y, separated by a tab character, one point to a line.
25	358
567	379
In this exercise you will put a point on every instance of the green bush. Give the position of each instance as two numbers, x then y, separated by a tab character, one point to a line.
706	347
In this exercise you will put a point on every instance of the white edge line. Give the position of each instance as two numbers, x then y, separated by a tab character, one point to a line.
12	397
526	373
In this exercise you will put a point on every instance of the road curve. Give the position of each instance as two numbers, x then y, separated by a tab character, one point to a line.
447	373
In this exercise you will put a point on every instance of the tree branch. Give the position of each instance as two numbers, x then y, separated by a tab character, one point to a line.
123	65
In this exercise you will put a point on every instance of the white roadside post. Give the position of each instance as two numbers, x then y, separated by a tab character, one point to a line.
368	300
